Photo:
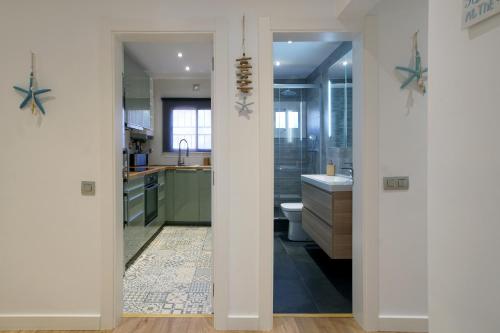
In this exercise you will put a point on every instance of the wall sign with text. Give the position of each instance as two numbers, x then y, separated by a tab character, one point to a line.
475	11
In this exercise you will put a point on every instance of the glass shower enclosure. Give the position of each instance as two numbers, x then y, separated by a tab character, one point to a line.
297	115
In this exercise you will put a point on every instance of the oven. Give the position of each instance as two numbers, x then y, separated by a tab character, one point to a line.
151	197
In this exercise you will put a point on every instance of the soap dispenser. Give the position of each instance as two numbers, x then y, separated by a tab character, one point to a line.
330	168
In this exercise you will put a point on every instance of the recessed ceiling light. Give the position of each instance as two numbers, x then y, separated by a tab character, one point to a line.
277	63
344	63
290	42
179	54
188	69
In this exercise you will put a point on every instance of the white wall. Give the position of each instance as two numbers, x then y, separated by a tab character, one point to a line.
402	152
49	234
174	88
55	241
463	137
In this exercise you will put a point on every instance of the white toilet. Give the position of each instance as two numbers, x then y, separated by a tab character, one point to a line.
293	212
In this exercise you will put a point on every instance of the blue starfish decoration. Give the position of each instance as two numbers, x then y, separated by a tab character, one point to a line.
416	73
32	93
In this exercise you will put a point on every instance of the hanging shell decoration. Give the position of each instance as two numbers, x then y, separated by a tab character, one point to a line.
244	74
243	77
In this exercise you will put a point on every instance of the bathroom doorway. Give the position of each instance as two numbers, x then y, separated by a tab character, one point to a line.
312	210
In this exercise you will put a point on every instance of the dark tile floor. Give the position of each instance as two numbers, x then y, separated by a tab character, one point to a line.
306	280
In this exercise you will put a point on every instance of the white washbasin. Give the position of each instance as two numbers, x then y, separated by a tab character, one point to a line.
329	183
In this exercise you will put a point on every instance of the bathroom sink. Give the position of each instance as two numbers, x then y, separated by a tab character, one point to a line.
329	183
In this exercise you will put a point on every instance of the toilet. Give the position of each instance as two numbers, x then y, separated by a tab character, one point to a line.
293	212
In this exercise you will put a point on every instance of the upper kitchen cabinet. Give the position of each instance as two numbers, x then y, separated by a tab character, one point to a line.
137	91
137	96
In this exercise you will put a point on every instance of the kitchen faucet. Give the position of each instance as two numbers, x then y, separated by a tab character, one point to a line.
180	161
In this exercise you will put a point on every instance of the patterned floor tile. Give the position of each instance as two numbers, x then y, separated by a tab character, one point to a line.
173	275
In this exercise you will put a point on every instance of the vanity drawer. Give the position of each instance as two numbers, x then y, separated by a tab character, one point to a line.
319	231
318	201
335	241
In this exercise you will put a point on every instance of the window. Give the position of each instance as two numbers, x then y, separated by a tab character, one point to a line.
288	119
280	119
293	119
189	119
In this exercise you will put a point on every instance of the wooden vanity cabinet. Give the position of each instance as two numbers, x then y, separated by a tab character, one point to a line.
327	218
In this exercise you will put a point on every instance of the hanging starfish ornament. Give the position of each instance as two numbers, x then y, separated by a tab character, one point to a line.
244	76
31	92
416	73
244	106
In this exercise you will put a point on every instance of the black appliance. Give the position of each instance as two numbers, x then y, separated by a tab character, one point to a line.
151	197
138	162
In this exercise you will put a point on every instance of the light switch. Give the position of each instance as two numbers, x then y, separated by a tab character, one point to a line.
403	183
88	188
396	183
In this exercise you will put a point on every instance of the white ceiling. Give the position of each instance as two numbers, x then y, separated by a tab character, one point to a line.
300	58
160	57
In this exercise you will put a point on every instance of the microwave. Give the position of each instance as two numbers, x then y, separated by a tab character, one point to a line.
138	162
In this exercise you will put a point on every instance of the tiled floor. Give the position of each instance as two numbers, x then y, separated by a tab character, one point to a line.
173	275
306	280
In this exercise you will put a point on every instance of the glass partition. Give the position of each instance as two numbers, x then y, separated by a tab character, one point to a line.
296	139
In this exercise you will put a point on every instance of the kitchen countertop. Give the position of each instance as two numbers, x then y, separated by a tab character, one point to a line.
157	168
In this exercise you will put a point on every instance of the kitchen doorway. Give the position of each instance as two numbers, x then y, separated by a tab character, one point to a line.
168	155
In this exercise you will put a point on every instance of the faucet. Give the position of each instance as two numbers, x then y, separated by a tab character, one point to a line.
351	170
179	160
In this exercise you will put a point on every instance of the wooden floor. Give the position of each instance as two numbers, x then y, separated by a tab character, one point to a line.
204	325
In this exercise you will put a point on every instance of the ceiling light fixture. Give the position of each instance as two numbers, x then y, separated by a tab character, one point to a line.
179	54
290	42
277	63
188	69
344	63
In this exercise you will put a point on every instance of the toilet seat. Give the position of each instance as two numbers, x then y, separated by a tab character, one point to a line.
292	206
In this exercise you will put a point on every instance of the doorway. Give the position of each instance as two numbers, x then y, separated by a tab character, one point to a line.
167	144
312	138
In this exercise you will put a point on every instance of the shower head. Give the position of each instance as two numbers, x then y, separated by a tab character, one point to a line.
288	93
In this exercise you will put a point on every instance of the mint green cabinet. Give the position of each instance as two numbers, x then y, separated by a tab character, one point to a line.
134	201
205	190
186	196
170	194
162	197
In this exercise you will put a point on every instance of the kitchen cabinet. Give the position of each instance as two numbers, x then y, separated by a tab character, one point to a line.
162	196
135	233
205	190
138	92
133	205
169	193
134	201
187	197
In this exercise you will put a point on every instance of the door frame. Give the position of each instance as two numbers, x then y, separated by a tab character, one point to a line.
112	252
365	164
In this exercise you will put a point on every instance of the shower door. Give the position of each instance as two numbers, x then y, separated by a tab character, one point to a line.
295	151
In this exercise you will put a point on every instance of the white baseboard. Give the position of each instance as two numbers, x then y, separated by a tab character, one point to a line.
403	323
49	322
243	322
